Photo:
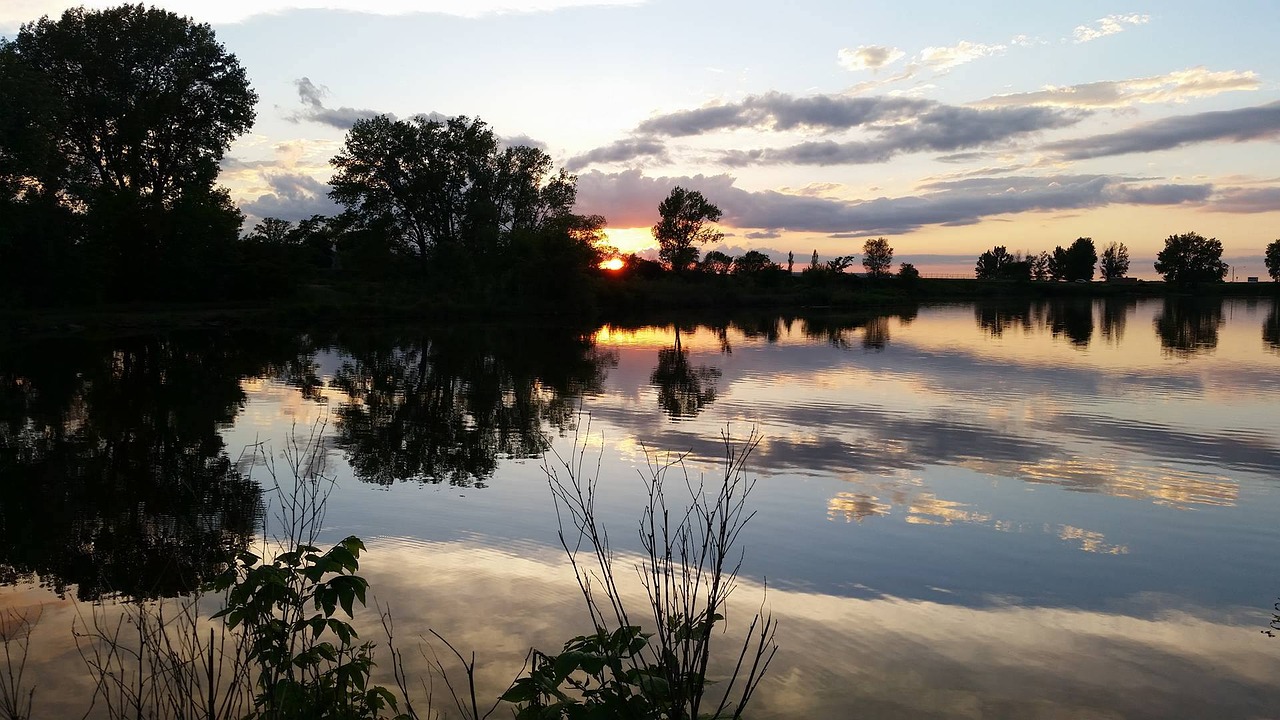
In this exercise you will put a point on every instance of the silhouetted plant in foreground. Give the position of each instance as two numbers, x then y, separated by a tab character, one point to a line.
688	570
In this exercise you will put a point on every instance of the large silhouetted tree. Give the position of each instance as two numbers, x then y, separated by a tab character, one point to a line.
1115	261
685	217
998	264
1191	258
1074	262
446	193
877	257
1272	260
121	117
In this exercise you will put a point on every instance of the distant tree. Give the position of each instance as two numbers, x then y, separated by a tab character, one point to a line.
751	263
838	264
908	273
684	220
877	257
122	116
1115	261
813	261
791	261
717	262
1191	258
1075	262
998	264
1040	265
1273	260
273	231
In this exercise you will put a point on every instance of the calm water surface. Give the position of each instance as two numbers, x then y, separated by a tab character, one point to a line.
1005	510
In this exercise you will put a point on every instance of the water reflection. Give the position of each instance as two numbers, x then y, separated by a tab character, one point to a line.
684	389
116	479
1115	315
1187	326
444	407
1271	327
1072	319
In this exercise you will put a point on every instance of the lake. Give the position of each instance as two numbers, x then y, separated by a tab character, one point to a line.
1009	509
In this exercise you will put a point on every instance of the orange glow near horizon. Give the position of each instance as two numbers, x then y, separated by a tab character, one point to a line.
630	240
613	263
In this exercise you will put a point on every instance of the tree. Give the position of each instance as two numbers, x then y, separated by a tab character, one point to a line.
1040	265
1115	261
685	215
122	116
877	257
908	273
1273	260
443	192
751	263
1075	262
717	262
1191	258
998	264
272	231
838	264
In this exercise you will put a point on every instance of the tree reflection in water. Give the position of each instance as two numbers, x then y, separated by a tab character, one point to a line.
684	389
446	405
1271	327
115	477
1187	326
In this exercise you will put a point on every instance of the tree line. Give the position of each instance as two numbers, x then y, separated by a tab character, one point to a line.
116	122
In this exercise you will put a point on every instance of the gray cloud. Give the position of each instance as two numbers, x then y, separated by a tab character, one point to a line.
294	196
1177	86
898	125
629	199
1253	123
312	97
1247	200
620	151
781	111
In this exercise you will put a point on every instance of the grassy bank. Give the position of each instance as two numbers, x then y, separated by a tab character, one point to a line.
608	299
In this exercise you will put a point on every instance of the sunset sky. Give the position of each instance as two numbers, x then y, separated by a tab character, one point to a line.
947	127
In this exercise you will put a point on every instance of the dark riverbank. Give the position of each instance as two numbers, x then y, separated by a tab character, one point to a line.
611	299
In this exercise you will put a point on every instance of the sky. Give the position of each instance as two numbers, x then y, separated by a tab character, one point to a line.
946	127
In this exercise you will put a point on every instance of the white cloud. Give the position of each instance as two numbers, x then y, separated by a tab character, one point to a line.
1109	25
1175	87
869	57
945	58
15	12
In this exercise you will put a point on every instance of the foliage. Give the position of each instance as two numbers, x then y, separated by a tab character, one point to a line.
837	265
908	273
877	257
1191	258
1075	262
684	217
120	117
286	607
1273	260
687	572
717	263
998	264
1115	261
1040	265
753	262
446	194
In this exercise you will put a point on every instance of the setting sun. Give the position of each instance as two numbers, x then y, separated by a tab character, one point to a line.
613	263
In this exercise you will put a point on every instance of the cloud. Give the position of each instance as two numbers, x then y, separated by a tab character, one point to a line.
294	196
781	111
1178	86
1109	25
943	59
1253	123
869	57
1247	200
620	151
312	97
763	235
628	199
944	128
13	14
